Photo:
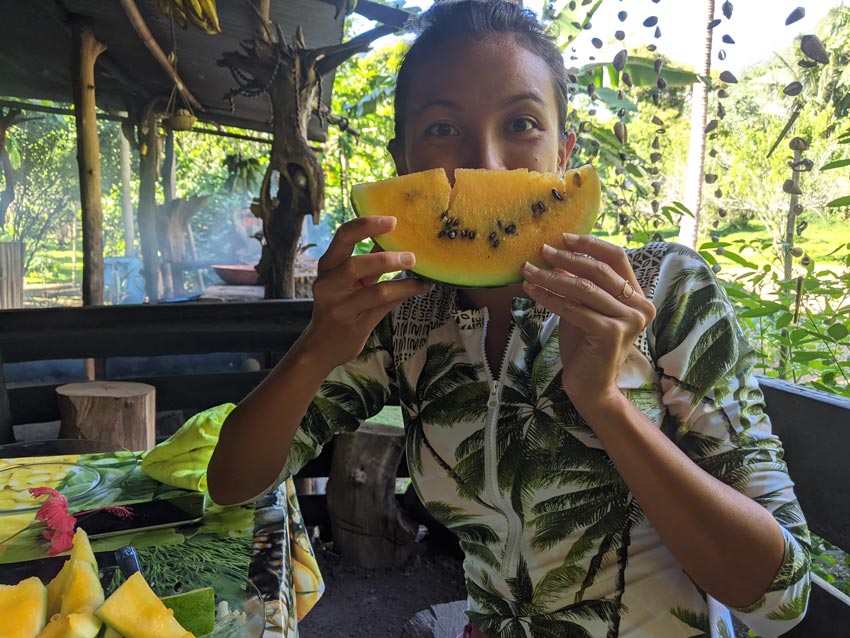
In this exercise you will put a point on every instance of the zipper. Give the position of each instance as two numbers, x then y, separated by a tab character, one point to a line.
491	458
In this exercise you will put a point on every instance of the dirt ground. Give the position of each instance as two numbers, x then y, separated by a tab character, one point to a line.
364	603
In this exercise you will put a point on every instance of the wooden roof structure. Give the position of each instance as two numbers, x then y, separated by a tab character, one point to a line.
35	46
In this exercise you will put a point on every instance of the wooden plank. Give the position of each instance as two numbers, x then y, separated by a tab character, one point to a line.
814	428
11	274
152	329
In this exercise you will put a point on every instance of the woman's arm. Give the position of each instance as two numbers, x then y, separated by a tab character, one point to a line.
713	483
730	546
257	436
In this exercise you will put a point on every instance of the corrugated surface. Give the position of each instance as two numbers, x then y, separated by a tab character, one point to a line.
35	50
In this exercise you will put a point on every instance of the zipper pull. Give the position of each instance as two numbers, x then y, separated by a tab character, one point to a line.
494	395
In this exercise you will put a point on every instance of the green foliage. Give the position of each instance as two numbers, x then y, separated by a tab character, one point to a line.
44	206
363	92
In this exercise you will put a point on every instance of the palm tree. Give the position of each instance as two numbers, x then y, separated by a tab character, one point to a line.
525	430
529	608
689	226
475	538
447	392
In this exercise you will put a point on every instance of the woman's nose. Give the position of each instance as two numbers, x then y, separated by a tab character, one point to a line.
483	151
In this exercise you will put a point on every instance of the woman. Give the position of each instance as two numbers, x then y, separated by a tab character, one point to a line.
594	436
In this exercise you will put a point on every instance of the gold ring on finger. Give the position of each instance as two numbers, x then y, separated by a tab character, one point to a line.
627	292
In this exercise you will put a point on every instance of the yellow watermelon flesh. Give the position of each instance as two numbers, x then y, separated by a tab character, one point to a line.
81	551
23	608
134	611
82	591
479	233
72	626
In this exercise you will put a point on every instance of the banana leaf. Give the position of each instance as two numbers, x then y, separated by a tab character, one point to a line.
567	18
642	71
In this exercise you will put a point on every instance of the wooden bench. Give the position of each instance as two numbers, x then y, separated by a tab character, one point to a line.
814	426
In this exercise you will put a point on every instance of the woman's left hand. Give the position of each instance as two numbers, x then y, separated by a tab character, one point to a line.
593	289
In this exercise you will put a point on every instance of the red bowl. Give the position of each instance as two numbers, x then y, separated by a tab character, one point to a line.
237	274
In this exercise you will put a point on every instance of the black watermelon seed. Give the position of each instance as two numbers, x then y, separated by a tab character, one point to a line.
471	234
499	224
442	233
452	234
444	215
511	229
541	206
455	222
495	243
493	236
557	195
651	21
463	233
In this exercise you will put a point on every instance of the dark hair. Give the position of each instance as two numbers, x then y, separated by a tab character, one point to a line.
478	19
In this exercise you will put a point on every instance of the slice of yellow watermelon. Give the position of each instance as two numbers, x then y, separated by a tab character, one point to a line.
479	233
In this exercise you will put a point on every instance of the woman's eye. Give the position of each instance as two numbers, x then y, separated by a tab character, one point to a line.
441	129
522	124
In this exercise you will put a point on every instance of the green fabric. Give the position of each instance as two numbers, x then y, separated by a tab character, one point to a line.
181	460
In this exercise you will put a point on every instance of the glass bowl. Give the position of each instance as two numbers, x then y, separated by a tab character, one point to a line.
78	469
240	612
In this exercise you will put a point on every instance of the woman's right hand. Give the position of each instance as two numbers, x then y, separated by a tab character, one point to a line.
348	299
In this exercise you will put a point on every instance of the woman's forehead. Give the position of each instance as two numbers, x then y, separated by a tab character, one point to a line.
497	68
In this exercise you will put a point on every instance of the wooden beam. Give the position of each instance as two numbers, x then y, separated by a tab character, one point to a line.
84	52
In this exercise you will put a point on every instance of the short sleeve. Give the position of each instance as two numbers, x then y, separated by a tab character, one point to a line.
352	393
715	414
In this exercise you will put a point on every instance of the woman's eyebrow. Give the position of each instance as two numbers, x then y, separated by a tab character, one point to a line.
438	102
534	96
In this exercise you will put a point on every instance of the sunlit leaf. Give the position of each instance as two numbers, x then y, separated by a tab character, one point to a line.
841	201
835	164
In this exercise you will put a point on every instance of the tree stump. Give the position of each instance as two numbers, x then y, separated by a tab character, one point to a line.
115	411
367	525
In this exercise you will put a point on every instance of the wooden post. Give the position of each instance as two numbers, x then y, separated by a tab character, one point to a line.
367	525
148	167
85	50
11	275
172	277
127	198
116	411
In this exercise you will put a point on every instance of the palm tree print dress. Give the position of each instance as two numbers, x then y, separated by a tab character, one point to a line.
556	546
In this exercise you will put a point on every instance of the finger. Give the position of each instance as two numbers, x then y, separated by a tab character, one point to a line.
371	279
570	310
348	235
604	251
360	271
384	296
595	270
580	289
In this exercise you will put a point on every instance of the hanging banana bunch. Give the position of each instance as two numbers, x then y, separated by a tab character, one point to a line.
201	13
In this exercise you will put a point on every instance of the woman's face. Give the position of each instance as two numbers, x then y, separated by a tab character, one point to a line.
481	104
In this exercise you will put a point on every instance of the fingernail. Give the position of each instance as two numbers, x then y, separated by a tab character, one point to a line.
388	222
406	259
570	237
548	250
530	267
